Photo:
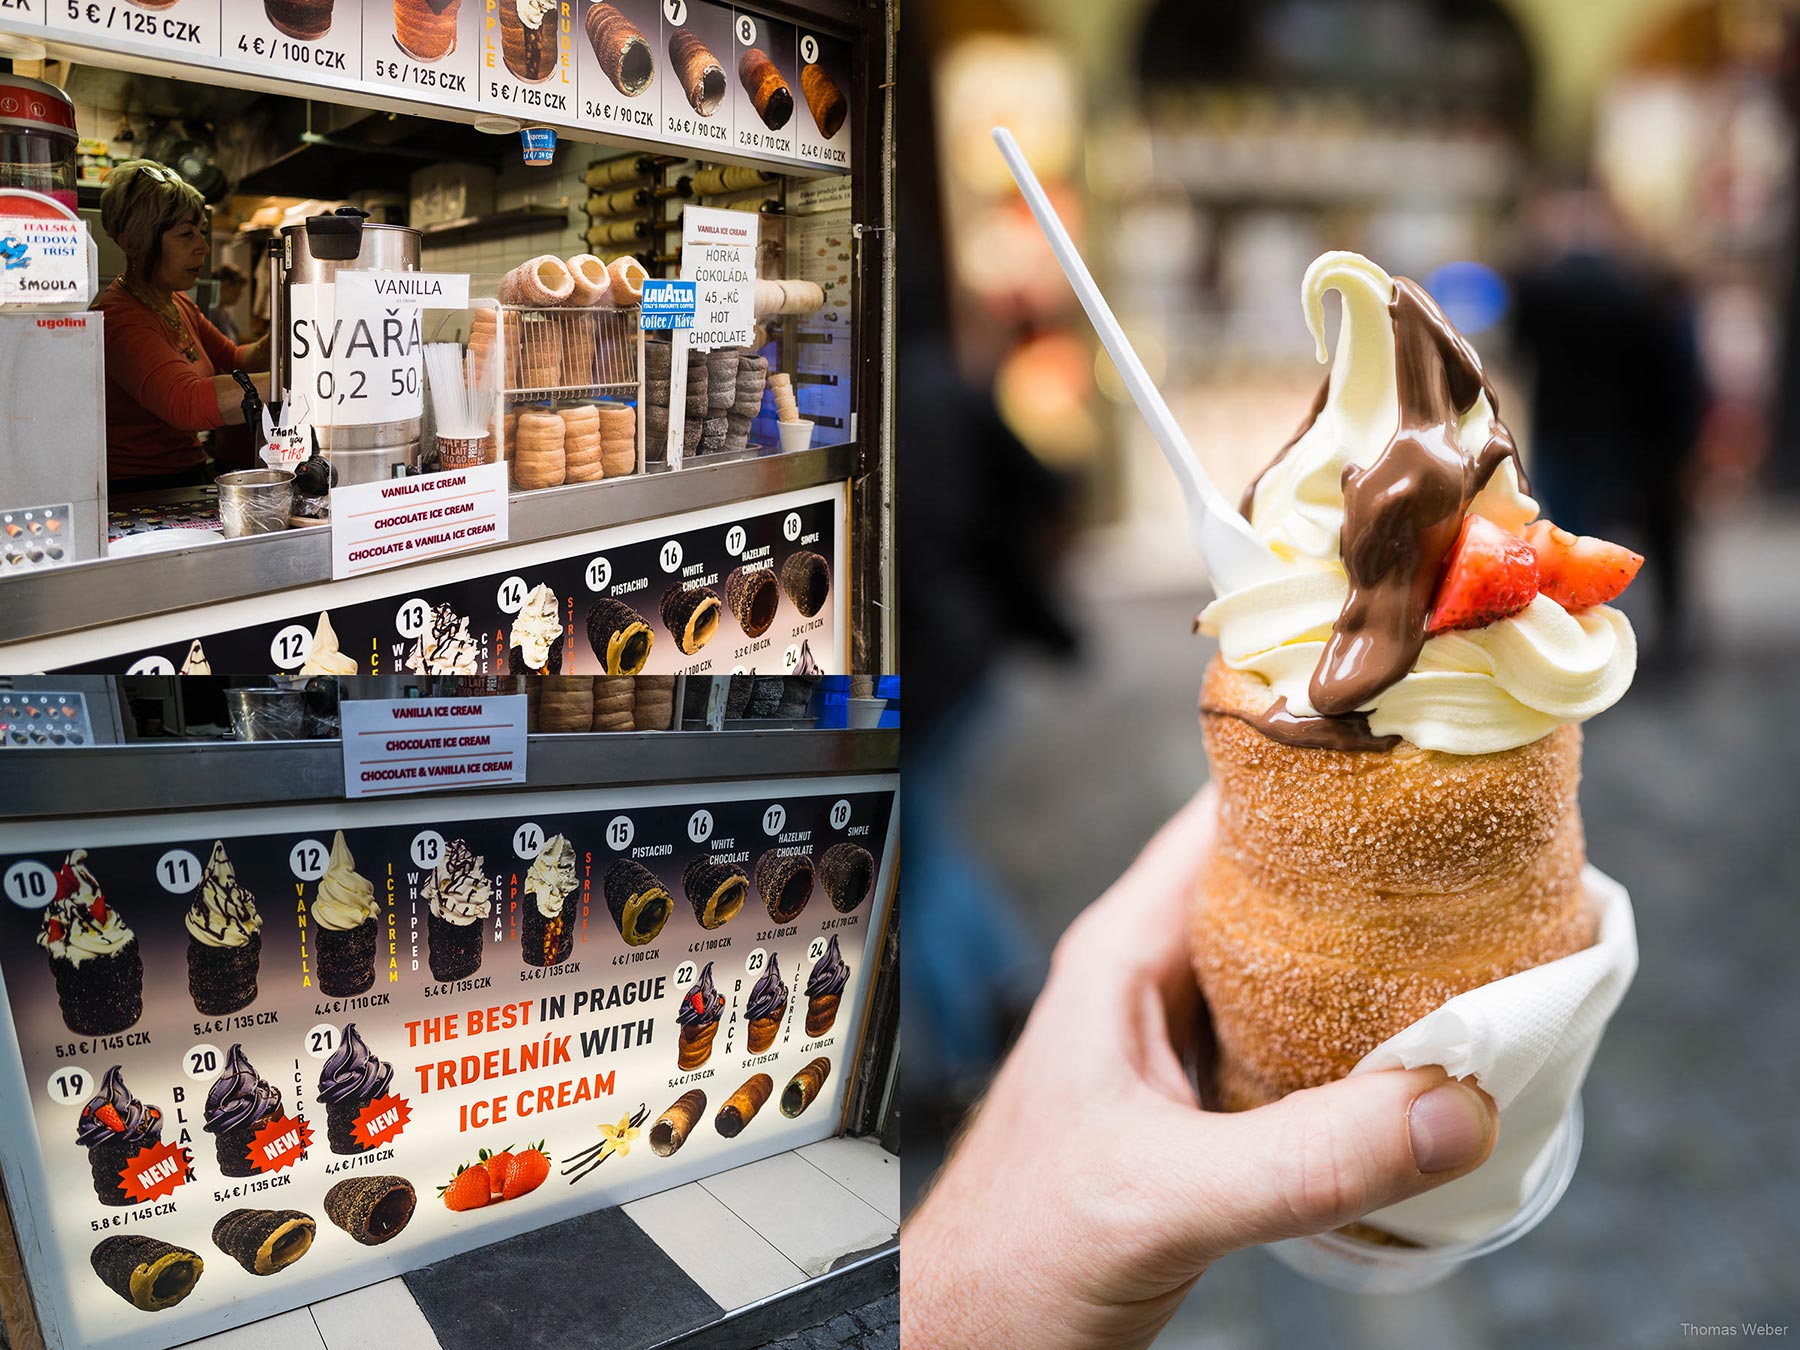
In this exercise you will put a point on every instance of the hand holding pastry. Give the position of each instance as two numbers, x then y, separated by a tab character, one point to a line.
1091	1190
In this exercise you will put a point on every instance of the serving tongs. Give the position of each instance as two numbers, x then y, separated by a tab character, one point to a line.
1234	555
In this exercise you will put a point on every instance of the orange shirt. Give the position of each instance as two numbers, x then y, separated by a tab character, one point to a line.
157	399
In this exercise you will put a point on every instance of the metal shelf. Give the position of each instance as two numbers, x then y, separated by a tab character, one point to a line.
519	220
192	775
113	590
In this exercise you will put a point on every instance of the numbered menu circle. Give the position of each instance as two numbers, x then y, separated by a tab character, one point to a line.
322	1041
685	974
669	555
151	665
528	840
30	884
178	871
790	526
815	950
809	48
619	833
675	11
71	1085
599	574
735	539
427	850
412	617
840	813
746	31
203	1063
511	597
774	818
700	826
307	859
291	646
756	963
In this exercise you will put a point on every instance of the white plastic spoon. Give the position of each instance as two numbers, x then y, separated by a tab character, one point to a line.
1234	555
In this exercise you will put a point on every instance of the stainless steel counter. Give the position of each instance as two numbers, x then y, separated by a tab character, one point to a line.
94	594
188	775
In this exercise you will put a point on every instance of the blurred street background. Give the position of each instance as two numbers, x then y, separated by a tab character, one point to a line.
1601	194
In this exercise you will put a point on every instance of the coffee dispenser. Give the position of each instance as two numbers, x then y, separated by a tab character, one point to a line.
356	378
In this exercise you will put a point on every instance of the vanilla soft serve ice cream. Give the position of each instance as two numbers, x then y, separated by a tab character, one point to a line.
1469	692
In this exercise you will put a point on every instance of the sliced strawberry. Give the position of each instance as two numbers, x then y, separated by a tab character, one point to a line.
54	929
697	1002
1489	575
467	1190
499	1167
108	1115
1579	571
66	883
530	1167
97	910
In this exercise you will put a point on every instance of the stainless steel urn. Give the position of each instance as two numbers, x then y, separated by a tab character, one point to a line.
342	365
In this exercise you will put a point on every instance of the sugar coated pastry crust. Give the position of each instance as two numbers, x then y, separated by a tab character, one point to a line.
1352	892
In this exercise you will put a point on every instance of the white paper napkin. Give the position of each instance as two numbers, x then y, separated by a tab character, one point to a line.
1528	1040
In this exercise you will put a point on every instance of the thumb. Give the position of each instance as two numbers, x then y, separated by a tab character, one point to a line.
1320	1158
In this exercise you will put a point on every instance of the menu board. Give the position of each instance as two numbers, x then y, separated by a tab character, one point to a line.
767	85
526	65
757	587
618	55
279	36
699	74
429	46
823	134
255	1058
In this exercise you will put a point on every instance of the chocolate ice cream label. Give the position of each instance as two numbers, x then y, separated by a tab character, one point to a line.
232	1134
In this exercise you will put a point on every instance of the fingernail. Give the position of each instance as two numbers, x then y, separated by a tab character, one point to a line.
1449	1127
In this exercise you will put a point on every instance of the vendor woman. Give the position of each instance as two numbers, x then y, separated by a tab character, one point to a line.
169	373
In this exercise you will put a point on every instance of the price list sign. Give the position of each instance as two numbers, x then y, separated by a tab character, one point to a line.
718	254
822	120
696	97
765	89
621	66
293	39
527	58
427	47
247	1057
186	29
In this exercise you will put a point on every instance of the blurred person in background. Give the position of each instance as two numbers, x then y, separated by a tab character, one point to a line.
231	290
982	523
1618	392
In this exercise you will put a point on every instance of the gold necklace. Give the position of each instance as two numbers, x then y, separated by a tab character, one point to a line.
184	342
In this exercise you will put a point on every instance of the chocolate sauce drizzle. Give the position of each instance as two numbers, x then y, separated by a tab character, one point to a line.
1402	513
1347	731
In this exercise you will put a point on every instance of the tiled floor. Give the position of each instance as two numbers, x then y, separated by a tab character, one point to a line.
674	1261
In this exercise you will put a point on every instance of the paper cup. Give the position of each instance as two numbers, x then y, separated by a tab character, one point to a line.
461	452
795	435
1363	1268
539	145
865	712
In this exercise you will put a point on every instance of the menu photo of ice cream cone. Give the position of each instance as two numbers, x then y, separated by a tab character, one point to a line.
698	1018
459	896
1392	719
94	956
